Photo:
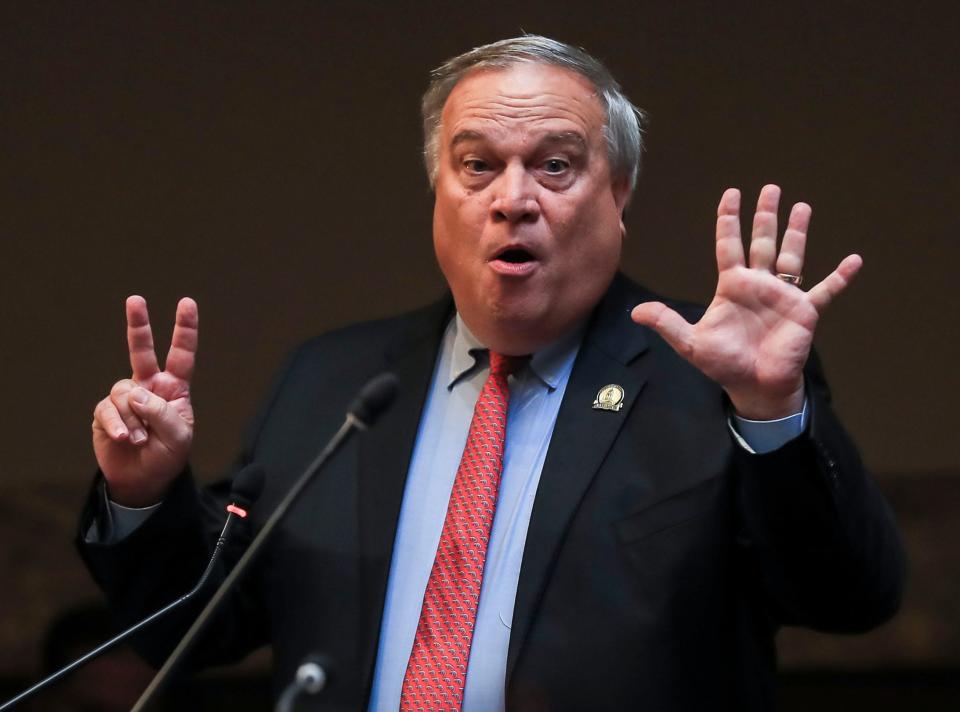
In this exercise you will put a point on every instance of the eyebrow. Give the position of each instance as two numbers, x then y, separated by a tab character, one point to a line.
551	138
462	136
565	137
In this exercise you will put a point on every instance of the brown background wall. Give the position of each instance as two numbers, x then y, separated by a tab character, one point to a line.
264	158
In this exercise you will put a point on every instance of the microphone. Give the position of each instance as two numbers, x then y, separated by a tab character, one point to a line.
247	487
311	678
372	400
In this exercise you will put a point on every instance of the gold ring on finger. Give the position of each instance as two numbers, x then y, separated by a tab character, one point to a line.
795	279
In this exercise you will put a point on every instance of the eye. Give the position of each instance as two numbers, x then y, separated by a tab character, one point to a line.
475	165
555	166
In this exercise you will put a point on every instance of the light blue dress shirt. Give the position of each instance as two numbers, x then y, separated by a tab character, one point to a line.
535	394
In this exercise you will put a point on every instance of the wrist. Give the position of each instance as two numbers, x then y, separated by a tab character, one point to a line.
756	406
134	497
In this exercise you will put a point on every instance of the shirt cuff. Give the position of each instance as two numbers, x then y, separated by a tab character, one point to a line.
763	436
116	522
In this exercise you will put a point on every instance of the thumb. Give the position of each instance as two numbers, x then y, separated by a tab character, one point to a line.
674	329
160	417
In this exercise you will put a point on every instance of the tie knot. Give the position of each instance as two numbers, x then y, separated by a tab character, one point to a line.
501	365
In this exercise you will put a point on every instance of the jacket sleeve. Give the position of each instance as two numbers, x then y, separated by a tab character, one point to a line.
162	560
819	532
165	556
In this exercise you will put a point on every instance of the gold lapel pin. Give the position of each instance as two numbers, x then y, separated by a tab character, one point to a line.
610	397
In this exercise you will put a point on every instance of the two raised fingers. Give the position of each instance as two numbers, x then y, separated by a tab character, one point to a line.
183	346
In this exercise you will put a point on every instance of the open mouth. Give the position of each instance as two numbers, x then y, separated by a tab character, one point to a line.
515	256
514	262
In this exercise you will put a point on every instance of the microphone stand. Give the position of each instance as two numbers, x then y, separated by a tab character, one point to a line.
351	423
119	638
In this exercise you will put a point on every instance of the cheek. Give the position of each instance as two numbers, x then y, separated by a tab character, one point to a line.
456	208
592	255
590	230
457	227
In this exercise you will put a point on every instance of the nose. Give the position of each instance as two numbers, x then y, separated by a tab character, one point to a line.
515	196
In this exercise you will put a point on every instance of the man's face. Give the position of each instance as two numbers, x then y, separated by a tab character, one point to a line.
527	222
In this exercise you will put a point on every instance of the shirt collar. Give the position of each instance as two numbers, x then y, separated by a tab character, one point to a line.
549	363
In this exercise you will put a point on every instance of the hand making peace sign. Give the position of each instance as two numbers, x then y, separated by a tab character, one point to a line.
756	334
142	431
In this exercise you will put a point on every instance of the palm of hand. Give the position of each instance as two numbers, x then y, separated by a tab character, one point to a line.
756	333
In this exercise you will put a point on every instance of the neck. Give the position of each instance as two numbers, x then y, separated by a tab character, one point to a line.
518	342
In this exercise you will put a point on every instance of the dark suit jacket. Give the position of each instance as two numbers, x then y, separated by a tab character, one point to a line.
660	558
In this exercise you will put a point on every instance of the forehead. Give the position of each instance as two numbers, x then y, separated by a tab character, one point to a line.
525	96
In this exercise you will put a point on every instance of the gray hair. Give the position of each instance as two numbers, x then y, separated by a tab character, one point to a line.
624	121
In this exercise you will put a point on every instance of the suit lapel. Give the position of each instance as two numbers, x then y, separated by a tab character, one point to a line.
384	459
581	439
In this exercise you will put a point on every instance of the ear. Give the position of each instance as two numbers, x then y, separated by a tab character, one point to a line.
621	198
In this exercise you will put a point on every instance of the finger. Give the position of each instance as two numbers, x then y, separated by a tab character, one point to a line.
729	244
120	398
165	423
763	239
107	418
183	347
823	293
793	249
143	359
674	329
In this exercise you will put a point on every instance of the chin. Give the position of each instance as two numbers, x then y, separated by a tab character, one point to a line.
516	314
517	330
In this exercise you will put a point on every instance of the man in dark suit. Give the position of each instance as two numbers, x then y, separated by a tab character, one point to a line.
668	492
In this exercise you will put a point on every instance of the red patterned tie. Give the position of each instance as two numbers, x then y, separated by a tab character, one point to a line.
437	669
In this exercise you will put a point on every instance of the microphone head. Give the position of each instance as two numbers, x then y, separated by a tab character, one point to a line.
311	677
374	398
247	485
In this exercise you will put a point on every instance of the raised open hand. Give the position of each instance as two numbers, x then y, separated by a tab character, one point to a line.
756	334
142	431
